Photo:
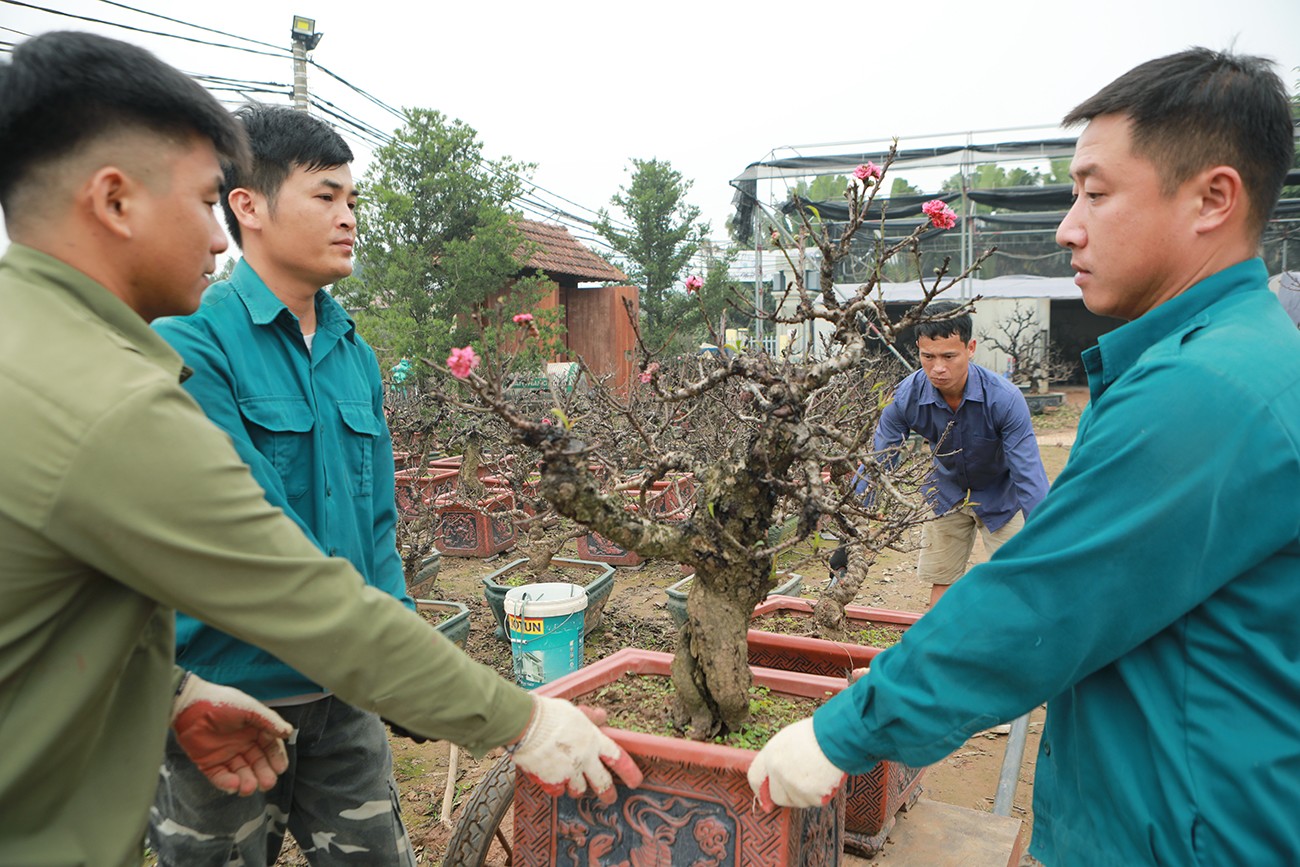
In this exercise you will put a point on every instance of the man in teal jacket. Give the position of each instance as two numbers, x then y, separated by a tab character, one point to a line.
1152	599
279	366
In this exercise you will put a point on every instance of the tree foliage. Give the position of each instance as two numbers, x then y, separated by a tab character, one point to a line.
661	235
771	446
434	236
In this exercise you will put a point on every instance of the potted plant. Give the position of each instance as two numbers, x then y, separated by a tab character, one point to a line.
694	806
773	438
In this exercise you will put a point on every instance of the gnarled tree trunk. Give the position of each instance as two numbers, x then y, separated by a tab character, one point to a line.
711	667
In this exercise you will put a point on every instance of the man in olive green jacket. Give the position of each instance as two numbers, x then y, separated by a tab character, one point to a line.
120	501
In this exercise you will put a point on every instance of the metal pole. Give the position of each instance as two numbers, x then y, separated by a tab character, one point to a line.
758	277
299	75
1011	762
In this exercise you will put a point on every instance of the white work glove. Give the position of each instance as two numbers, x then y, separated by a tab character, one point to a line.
234	739
792	770
562	750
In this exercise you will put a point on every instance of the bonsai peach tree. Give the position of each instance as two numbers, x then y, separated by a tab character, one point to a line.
775	445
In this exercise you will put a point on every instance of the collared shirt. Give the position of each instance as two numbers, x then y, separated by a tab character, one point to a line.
120	501
1152	601
985	451
310	425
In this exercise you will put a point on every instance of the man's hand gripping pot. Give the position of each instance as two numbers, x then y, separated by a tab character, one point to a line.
792	770
563	751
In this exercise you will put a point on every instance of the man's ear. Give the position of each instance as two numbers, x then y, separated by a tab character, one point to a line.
249	207
1221	196
113	197
970	347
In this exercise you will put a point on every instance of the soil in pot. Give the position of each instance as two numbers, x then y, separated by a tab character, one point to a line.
880	635
644	703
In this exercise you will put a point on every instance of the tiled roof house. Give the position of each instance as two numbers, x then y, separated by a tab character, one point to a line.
597	328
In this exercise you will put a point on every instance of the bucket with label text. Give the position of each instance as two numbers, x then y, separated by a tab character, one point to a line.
544	622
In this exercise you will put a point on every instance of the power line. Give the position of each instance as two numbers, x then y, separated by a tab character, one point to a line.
283	54
192	24
365	132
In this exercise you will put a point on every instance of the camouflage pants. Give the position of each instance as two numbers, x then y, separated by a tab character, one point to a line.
338	798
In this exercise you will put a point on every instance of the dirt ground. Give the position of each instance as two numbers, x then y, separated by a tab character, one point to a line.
636	615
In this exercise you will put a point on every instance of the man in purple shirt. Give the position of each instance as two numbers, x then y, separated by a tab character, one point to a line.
988	475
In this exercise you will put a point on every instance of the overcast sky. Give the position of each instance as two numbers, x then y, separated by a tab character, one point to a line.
581	87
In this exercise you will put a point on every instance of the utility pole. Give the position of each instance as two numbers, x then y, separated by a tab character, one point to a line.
305	38
758	277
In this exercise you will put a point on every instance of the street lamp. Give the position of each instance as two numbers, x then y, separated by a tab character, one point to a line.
304	31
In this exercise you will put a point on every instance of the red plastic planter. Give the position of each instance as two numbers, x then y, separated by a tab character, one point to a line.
876	796
695	806
817	655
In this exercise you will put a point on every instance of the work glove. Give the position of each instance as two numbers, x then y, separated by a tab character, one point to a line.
562	750
235	740
792	770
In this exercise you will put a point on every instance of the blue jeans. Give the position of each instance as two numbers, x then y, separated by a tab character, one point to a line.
337	797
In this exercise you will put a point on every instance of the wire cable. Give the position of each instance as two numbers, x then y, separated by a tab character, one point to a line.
192	24
283	54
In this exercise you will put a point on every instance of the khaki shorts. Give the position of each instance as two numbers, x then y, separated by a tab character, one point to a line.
946	543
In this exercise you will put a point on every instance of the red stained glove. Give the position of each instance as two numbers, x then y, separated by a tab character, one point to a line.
792	770
235	740
562	750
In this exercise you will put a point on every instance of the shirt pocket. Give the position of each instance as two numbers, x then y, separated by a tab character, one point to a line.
984	461
280	428
360	430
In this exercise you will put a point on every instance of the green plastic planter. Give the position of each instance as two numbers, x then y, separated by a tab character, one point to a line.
599	584
455	622
790	585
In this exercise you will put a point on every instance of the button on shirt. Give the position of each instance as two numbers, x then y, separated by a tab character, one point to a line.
989	454
310	424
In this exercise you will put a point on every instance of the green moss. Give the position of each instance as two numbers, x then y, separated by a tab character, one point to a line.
645	703
879	636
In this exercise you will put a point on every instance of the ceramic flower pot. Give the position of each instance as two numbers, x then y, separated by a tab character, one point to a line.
816	655
597	548
670	498
418	489
694	807
596	578
475	529
788	584
873	798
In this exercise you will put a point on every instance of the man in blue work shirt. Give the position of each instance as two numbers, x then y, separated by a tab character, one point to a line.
278	365
1152	599
988	475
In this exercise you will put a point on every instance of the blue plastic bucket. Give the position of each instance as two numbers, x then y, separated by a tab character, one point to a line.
544	622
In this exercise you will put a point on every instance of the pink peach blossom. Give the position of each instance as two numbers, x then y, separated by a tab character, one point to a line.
867	170
522	318
941	216
462	361
649	372
693	283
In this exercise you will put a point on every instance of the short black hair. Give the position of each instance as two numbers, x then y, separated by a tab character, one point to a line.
958	325
1201	108
281	140
61	90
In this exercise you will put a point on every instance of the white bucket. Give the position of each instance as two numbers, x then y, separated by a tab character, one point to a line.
544	623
